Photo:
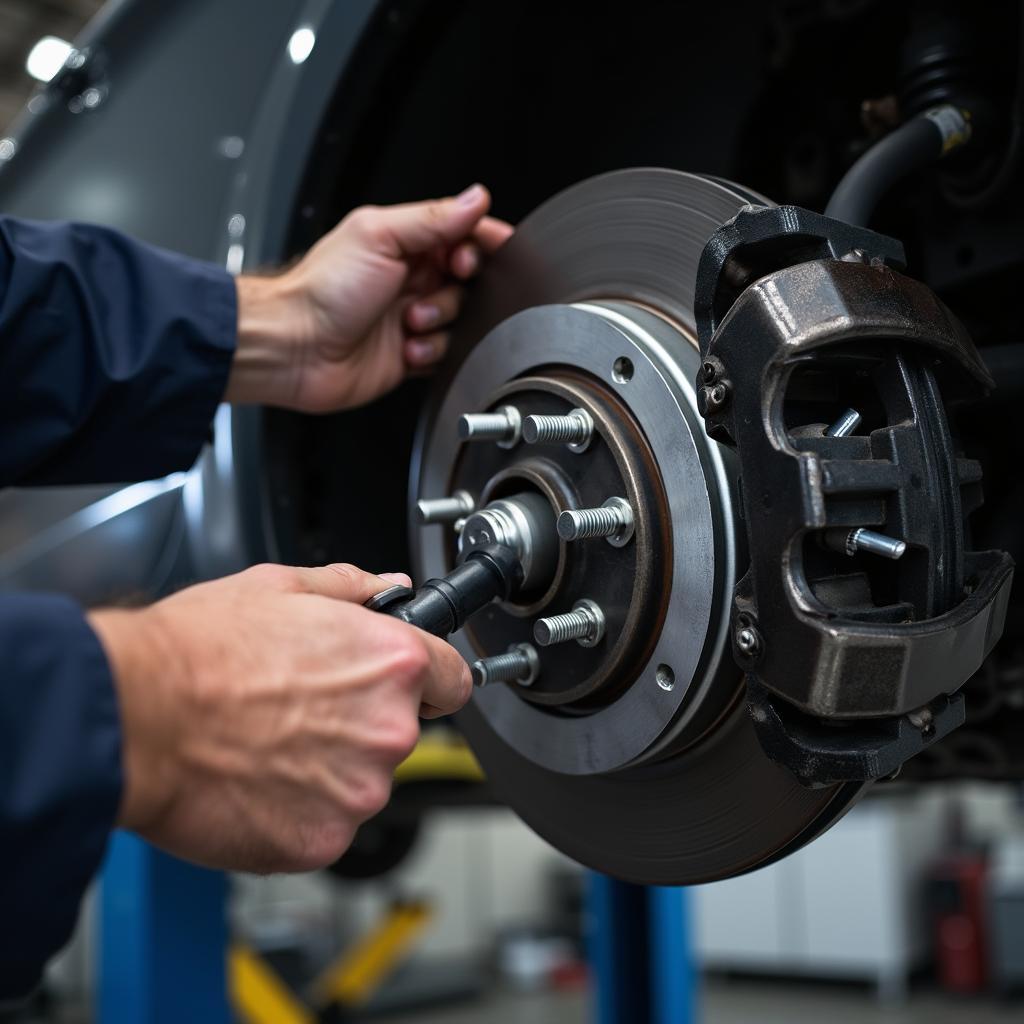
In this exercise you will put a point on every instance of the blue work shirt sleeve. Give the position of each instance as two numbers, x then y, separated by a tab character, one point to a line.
60	777
113	357
113	354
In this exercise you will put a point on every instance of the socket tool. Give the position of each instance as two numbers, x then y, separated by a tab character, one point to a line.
441	606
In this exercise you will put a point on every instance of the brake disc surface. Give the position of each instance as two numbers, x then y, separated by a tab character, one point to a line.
655	780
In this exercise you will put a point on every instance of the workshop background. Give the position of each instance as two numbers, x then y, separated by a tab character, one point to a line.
910	910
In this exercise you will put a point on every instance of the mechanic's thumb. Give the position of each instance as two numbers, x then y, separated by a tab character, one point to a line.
346	582
418	227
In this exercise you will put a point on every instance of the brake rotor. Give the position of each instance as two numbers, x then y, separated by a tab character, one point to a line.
636	757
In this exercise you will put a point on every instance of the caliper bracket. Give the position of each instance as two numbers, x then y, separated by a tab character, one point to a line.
796	311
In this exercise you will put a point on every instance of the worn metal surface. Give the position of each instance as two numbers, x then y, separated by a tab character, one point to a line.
798	317
845	636
667	782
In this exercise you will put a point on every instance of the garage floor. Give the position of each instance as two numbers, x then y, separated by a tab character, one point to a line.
724	1001
742	1002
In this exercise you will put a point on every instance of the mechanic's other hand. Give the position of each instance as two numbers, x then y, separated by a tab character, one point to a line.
263	714
369	303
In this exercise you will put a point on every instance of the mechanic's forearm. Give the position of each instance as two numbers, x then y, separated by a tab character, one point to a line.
271	317
114	354
61	770
141	662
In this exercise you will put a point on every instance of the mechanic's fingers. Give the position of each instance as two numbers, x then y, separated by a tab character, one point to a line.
425	350
491	234
345	582
413	228
488	236
465	260
435	310
449	683
400	579
426	276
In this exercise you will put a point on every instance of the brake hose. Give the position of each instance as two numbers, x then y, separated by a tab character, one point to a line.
917	144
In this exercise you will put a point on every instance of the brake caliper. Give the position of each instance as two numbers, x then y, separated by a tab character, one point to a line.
863	612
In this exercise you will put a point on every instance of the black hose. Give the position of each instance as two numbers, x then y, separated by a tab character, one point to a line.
1007	172
913	146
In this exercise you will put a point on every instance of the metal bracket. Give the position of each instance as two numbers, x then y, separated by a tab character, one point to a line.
859	752
788	299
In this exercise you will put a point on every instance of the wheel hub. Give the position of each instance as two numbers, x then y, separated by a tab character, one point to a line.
629	371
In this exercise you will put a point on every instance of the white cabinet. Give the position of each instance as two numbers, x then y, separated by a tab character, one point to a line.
848	905
743	921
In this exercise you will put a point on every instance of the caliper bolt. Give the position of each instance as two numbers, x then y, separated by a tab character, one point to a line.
613	521
845	425
574	430
748	641
503	426
715	396
520	665
874	543
445	510
584	624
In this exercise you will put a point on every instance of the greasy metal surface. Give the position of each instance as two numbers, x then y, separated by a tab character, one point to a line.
762	239
847	658
719	807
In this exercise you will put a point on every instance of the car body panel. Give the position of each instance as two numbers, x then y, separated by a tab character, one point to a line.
198	144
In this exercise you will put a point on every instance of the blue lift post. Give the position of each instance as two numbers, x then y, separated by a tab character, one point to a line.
640	954
163	941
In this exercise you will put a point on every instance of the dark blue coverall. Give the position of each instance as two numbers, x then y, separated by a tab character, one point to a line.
113	357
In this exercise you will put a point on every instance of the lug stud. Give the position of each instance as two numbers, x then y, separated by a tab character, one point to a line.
503	426
520	665
573	430
845	425
584	624
875	544
613	521
445	510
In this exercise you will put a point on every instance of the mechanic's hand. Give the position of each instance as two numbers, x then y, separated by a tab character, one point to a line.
369	303
263	714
